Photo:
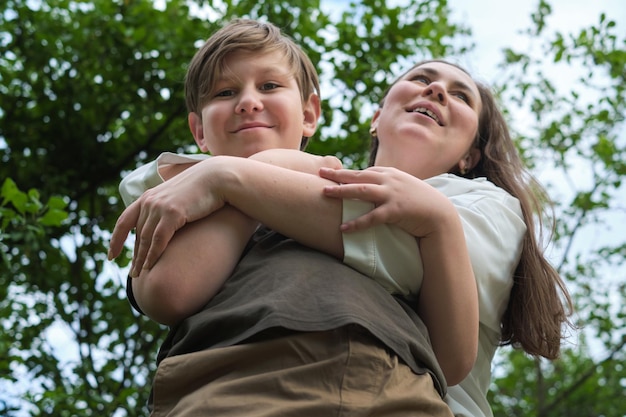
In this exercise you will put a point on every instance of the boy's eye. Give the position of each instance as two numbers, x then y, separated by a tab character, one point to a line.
225	93
269	86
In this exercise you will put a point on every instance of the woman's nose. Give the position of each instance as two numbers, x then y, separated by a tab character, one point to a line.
436	90
249	102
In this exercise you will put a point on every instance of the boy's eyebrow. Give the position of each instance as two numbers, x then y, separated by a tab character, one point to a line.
272	70
456	83
264	71
269	71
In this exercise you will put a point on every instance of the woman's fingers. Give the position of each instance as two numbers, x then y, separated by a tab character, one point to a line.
154	231
349	176
155	224
366	192
158	241
362	222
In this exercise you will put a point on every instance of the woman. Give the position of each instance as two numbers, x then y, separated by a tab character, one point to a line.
434	122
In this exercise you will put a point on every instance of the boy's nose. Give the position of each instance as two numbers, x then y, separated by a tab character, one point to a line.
249	102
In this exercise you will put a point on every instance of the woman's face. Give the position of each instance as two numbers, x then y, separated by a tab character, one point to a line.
429	121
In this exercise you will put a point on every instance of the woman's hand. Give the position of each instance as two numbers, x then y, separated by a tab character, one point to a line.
164	209
400	199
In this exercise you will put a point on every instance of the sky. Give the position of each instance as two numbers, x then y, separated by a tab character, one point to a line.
496	24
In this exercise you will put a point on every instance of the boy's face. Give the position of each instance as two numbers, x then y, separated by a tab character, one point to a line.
256	105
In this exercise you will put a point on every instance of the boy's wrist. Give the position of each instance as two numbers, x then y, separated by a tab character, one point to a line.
225	177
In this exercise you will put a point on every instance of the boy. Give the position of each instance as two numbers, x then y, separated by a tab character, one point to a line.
249	88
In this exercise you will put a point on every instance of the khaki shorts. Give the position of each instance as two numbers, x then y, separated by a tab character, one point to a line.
343	372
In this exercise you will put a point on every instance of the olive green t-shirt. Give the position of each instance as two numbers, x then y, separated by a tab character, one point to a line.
280	284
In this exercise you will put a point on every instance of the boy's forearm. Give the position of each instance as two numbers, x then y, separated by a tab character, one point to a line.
289	202
197	261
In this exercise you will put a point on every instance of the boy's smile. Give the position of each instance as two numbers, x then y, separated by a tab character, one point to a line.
248	126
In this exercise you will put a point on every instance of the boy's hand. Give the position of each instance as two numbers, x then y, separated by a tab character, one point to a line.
160	212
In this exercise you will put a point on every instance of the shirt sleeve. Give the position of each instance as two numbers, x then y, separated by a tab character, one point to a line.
494	229
147	176
131	296
384	253
138	181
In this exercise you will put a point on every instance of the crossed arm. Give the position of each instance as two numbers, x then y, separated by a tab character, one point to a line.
202	254
308	208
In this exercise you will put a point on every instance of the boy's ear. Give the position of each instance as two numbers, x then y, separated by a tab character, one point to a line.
312	111
195	125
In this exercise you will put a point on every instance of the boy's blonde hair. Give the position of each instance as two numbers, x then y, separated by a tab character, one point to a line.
245	35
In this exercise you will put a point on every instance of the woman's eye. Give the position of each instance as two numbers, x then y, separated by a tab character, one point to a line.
461	96
421	79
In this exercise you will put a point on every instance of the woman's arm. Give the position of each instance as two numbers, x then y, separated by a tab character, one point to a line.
281	198
448	300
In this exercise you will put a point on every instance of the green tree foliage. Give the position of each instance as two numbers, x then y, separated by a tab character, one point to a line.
24	224
92	89
23	219
577	143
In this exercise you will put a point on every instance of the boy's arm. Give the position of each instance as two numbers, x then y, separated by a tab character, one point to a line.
197	261
202	255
